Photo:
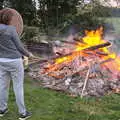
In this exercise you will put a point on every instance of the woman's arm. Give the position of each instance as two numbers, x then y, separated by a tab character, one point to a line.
18	43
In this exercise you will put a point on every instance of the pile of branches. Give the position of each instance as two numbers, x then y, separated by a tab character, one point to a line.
82	74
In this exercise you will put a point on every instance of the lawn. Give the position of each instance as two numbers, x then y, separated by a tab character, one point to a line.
47	104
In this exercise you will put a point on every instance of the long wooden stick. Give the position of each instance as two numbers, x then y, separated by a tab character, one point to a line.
85	83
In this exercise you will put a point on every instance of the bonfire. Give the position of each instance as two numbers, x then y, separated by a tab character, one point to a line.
80	63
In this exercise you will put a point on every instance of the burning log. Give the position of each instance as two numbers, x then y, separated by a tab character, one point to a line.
101	53
108	60
92	48
99	46
98	53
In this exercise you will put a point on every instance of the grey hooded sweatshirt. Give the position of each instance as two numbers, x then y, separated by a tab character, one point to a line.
10	44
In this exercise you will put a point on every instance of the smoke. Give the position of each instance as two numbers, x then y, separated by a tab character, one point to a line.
112	36
72	32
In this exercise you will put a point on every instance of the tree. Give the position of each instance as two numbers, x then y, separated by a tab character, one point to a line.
26	8
53	12
1	4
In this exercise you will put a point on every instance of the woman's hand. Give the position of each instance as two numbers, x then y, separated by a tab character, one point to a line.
31	55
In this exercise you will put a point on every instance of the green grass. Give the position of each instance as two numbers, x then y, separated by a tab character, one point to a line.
47	104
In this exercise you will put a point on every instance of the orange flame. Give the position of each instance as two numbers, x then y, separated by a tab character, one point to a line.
91	38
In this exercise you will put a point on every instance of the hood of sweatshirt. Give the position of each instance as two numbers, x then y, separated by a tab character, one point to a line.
3	28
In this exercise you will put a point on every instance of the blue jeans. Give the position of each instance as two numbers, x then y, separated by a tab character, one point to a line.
14	71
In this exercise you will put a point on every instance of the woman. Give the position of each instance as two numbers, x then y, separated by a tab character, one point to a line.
11	65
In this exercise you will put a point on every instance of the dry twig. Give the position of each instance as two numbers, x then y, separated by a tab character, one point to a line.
85	83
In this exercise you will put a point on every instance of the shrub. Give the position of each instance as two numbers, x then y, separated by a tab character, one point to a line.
29	33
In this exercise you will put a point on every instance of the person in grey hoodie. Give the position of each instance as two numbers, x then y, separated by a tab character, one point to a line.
11	68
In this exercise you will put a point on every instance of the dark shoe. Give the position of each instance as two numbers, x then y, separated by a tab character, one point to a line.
3	112
25	116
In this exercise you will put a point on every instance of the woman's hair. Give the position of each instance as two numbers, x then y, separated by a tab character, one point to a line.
9	16
6	16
